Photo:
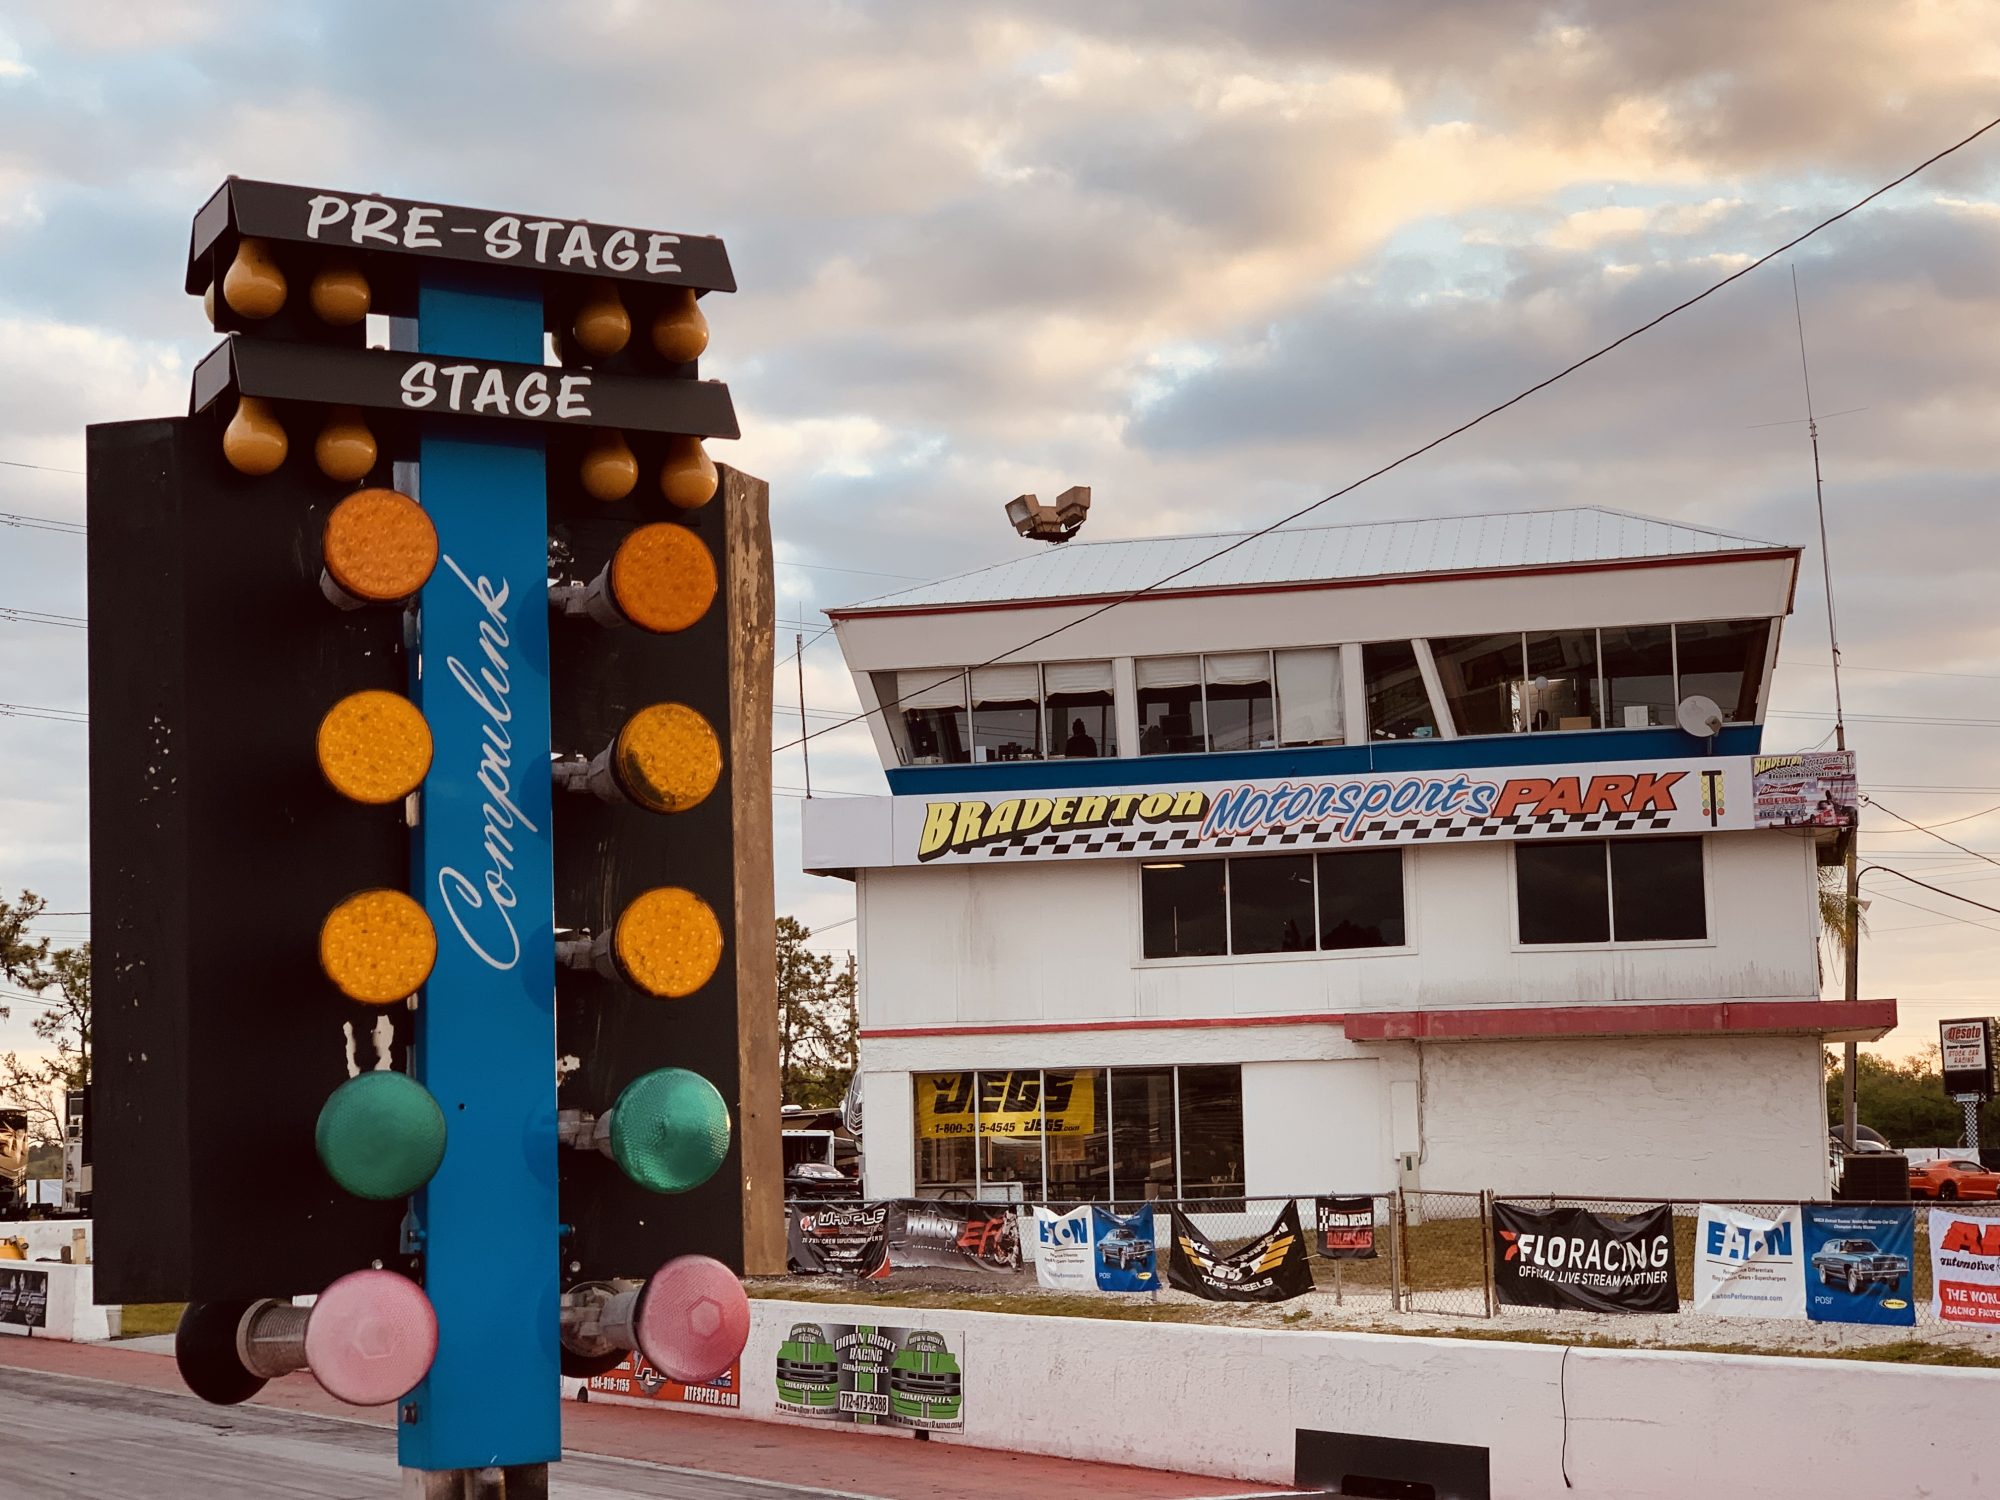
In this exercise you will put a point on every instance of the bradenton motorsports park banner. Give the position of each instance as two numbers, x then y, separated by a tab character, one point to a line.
1574	1259
1273	1267
873	1377
1170	819
1090	1249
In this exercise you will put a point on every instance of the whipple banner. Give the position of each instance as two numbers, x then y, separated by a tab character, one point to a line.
1572	1258
839	1239
1345	1228
953	1236
1273	1267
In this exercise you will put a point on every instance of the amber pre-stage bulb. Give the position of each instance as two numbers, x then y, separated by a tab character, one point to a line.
253	285
254	441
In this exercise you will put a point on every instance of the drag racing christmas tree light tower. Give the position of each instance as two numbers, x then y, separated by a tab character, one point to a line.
431	858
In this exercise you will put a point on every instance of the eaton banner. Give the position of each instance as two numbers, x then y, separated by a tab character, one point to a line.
1063	1250
1168	819
1093	1250
1859	1260
1748	1266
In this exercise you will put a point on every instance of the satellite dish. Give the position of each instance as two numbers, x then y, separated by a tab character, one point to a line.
1699	716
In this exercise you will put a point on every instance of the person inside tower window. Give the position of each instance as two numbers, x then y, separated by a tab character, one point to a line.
1079	745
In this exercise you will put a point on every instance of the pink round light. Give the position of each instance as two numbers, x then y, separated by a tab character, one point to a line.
371	1337
694	1319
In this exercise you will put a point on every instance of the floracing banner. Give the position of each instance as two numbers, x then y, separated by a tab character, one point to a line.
1965	1268
1572	1258
1271	1268
1177	818
874	1377
1859	1260
636	1378
1345	1228
954	1236
840	1239
1746	1266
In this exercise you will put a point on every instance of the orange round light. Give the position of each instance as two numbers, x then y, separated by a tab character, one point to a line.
663	578
667	758
378	947
668	942
374	746
379	545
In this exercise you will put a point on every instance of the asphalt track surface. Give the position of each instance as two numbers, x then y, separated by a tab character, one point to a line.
84	1422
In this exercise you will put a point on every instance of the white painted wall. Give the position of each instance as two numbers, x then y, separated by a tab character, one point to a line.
971	945
1665	1117
1315	1127
1624	1424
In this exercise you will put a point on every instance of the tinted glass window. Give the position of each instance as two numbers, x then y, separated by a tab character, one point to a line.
1724	660
1361	899
1211	1131
1656	890
1142	1133
1398	706
1079	1135
1241	711
1560	889
1181	909
1271	904
1562	679
1639	676
945	1143
1082	725
1481	678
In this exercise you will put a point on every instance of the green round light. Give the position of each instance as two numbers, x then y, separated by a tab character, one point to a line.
381	1135
669	1130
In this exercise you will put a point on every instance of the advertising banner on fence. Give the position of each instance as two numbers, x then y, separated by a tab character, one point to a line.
1345	1228
24	1298
1170	819
1271	1268
635	1378
1965	1268
1063	1259
1859	1262
954	1236
1591	1262
837	1239
1747	1266
1125	1253
873	1377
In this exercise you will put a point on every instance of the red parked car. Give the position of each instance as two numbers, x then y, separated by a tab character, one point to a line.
1952	1177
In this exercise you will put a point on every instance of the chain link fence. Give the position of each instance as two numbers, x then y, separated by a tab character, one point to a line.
1422	1252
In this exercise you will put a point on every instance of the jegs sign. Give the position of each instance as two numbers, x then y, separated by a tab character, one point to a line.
1685	796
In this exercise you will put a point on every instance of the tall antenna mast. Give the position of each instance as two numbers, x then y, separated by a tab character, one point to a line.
1819	501
1851	915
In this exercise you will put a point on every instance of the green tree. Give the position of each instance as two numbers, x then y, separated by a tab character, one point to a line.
817	1020
58	979
1905	1100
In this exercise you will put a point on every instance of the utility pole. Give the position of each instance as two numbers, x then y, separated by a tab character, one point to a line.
805	735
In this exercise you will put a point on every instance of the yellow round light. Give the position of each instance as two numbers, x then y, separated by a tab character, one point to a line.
667	758
377	946
379	545
663	578
374	746
668	942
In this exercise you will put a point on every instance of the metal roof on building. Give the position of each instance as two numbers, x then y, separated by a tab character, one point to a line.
1581	536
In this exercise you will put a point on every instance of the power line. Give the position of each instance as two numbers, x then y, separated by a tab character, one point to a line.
1933	721
1889	870
41	523
1848	666
1920	828
16	616
15	463
30	711
1927	827
1463	427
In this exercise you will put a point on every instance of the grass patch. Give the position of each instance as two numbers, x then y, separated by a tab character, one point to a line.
142	1319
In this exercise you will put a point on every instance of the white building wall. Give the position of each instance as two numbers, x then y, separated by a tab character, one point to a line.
1645	1117
967	945
1315	1127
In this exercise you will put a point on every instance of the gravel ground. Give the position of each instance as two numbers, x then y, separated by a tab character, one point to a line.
1370	1312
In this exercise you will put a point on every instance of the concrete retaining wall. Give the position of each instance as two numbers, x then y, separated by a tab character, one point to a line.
1229	1401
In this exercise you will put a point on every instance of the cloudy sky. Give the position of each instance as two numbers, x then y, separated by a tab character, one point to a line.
1213	260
